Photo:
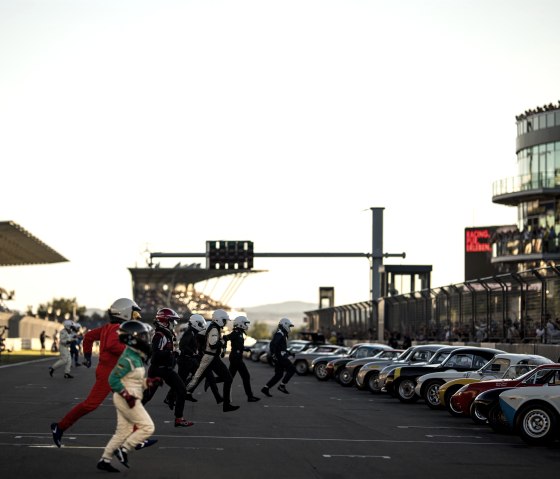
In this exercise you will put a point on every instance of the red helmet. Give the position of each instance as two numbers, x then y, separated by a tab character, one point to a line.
166	318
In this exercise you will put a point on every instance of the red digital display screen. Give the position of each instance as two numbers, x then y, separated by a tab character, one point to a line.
477	240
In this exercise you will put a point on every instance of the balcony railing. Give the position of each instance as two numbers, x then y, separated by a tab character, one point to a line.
529	182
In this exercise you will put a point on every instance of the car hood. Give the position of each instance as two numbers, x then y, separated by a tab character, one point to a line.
328	357
363	361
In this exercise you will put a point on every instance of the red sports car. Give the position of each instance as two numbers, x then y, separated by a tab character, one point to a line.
461	402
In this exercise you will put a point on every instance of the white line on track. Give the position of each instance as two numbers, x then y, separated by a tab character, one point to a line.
52	446
355	456
194	448
457	437
42	437
26	362
301	407
196	422
292	439
351	399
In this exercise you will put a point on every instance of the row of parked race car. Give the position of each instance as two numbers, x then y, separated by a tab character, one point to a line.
512	393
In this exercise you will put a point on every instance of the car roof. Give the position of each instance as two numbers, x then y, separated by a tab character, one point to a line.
521	357
429	346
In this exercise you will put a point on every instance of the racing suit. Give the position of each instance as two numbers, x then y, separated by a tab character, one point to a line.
236	363
109	351
211	362
162	365
280	355
134	425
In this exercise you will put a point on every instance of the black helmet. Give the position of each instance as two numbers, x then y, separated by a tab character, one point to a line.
137	335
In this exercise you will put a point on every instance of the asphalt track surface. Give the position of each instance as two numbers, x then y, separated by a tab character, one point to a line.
320	430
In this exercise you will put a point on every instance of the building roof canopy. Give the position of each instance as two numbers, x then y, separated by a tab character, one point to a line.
19	247
184	275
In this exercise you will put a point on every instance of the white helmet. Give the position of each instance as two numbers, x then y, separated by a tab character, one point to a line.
286	324
197	322
124	309
241	322
220	317
68	324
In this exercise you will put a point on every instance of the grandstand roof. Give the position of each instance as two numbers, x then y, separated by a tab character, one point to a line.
19	247
181	275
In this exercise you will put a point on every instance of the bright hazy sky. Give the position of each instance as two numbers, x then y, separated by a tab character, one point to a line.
160	124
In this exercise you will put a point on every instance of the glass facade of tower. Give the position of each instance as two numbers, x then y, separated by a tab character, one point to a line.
535	191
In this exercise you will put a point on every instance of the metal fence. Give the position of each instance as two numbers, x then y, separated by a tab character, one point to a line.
509	308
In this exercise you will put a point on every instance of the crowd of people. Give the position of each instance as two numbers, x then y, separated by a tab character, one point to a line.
127	345
527	241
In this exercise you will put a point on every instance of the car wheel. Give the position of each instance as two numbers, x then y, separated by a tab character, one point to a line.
476	415
431	394
372	381
404	389
537	424
337	376
345	377
321	371
496	419
449	405
301	368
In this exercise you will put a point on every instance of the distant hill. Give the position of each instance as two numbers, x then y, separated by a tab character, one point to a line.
272	313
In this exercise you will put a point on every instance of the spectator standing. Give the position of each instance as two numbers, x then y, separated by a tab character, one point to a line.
339	338
42	338
54	345
407	342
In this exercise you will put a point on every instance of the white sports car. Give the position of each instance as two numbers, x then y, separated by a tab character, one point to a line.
534	413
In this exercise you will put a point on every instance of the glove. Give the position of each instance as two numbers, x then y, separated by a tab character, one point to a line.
130	400
154	382
87	360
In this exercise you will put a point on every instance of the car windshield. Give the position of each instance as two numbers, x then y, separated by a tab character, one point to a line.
496	366
386	354
542	376
467	360
517	371
439	357
405	353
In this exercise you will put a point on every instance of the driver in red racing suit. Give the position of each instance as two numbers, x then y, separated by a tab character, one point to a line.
110	349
